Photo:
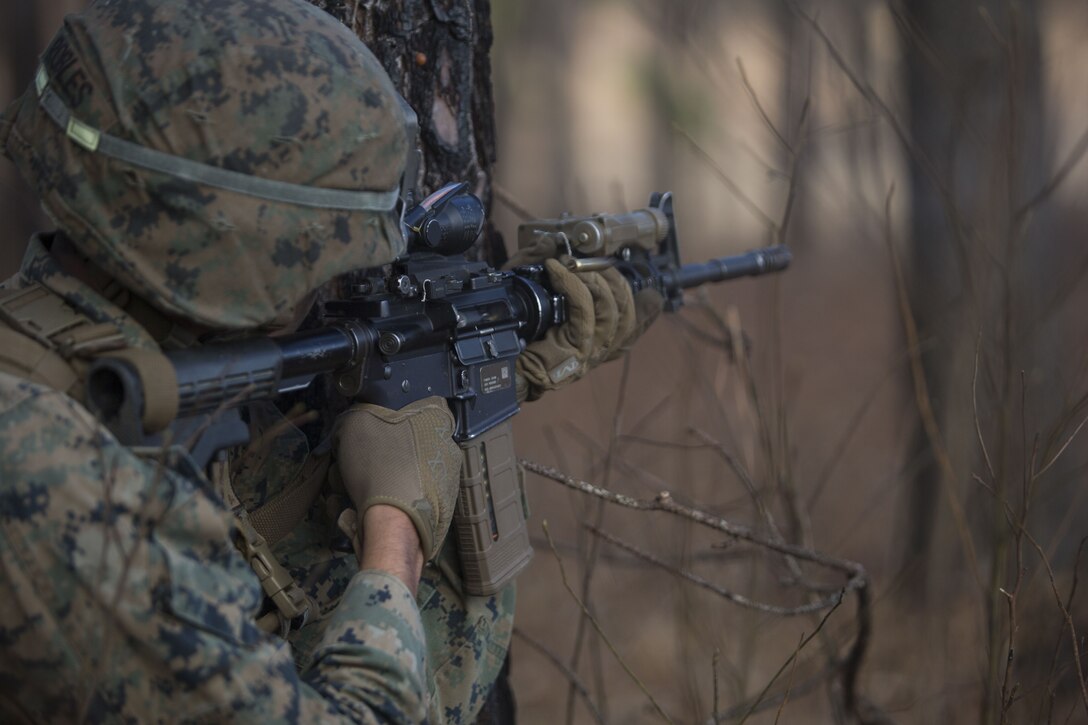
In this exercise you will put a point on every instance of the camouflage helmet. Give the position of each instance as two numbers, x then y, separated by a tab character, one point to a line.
219	158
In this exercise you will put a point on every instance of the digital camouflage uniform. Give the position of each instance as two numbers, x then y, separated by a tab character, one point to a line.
125	598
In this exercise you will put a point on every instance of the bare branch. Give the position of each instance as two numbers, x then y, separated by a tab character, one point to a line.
610	461
925	404
728	182
789	682
738	599
596	625
768	701
974	402
512	204
714	671
759	107
791	659
1074	158
1061	450
1082	684
791	196
858	577
570	674
718	554
925	163
847	436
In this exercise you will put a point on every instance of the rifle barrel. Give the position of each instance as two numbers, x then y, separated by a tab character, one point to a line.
754	263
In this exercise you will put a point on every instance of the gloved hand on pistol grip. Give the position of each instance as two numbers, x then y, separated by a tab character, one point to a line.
404	458
604	319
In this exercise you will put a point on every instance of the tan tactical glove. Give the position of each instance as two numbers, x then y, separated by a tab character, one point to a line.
603	320
404	458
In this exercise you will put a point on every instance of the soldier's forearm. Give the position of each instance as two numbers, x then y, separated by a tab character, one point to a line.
391	544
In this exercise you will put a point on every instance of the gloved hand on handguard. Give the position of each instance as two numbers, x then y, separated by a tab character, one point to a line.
604	318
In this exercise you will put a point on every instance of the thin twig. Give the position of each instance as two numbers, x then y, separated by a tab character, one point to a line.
594	548
512	204
567	672
714	663
796	155
727	181
1054	459
595	449
1074	158
593	620
925	404
792	657
789	683
759	107
718	554
738	599
978	420
768	701
858	578
925	163
846	438
1054	669
1082	684
750	486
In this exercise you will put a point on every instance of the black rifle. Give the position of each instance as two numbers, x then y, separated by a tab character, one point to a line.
433	323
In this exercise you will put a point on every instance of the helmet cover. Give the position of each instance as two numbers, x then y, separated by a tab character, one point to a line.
273	92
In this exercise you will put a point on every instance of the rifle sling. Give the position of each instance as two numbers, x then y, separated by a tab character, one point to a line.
282	513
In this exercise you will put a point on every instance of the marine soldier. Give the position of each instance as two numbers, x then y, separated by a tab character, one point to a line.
188	152
209	164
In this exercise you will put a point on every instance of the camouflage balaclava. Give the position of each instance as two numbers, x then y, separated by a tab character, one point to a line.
220	158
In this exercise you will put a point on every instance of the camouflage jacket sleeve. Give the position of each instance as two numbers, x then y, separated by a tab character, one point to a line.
466	637
125	600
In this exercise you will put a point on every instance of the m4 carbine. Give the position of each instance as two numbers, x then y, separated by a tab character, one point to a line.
432	323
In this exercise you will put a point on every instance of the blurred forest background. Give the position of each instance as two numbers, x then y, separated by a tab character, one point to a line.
908	396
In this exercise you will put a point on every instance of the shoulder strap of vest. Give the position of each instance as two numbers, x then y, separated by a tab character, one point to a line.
42	338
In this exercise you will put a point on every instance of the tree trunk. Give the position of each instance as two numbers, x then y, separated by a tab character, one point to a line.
974	87
18	60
